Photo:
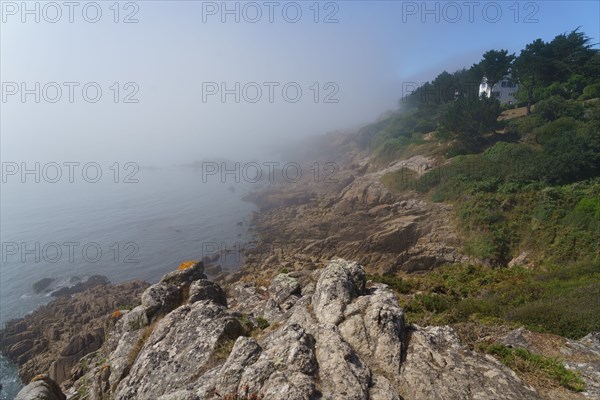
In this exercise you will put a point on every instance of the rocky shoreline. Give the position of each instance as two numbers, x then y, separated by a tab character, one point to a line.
298	321
54	337
331	335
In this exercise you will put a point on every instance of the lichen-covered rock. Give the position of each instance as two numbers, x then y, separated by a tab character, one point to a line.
204	289
287	367
338	285
374	327
176	352
161	298
133	320
437	366
382	389
283	287
185	276
245	352
342	372
338	338
41	388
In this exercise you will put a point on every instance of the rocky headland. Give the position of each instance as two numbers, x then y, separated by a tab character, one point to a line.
300	320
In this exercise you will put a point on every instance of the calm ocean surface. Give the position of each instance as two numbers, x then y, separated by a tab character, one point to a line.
121	230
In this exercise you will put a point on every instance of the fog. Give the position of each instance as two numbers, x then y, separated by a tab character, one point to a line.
182	81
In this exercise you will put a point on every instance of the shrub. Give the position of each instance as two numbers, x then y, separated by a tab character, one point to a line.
524	361
556	107
591	92
262	323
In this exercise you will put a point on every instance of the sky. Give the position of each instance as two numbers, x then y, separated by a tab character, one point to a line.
178	81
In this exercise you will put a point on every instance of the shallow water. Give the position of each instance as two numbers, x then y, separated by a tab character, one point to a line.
123	231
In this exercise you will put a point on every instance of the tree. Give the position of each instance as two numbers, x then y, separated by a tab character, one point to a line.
570	53
569	62
468	119
528	68
495	65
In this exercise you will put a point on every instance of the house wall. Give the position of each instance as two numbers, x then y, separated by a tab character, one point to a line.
505	91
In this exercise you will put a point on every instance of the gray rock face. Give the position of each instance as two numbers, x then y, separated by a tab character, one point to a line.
374	327
437	366
207	290
41	388
335	338
165	296
178	349
339	284
343	373
582	356
283	287
79	346
161	298
185	276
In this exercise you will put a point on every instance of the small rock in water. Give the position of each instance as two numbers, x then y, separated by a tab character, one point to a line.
42	284
91	282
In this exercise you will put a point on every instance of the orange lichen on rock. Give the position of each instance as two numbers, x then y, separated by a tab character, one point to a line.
116	314
187	264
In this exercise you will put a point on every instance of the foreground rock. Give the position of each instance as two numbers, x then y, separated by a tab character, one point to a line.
582	356
41	388
332	335
53	338
439	367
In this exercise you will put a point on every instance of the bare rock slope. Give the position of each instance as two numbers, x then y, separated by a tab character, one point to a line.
332	335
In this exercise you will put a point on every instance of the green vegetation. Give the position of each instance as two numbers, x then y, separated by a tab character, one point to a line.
540	194
556	299
523	361
262	323
567	67
253	328
525	186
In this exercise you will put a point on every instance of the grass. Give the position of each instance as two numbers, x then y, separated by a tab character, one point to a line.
262	323
223	349
253	328
555	299
401	180
139	344
536	365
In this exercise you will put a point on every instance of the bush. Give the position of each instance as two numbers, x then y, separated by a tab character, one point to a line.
591	92
556	107
523	361
262	323
467	120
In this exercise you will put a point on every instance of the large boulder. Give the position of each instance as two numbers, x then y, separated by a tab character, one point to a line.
178	349
338	285
437	366
336	337
185	276
161	298
41	387
204	289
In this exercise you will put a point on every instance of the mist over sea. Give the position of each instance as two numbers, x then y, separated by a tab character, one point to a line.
143	229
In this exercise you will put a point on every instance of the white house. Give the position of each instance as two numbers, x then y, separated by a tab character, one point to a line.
505	90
